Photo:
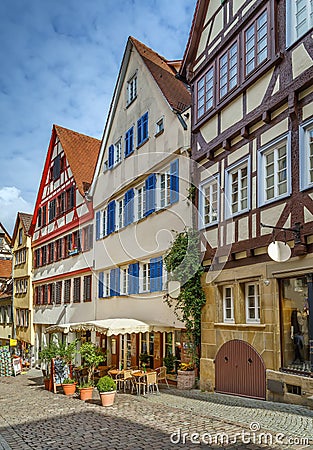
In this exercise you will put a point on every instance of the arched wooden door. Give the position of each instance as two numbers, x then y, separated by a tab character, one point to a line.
240	370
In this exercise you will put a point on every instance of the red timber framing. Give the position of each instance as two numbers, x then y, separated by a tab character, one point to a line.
62	226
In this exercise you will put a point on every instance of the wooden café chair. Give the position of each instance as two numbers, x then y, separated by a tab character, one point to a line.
161	374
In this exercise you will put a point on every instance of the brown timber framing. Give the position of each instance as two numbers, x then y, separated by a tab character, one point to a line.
284	104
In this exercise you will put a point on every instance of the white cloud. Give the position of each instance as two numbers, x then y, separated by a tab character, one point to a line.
12	202
61	64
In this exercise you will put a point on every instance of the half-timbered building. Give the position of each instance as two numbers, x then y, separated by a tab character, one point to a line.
250	66
6	308
139	194
62	233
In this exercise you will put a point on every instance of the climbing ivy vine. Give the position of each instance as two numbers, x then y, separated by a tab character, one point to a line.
183	264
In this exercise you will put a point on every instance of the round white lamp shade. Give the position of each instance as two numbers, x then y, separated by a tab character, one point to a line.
279	251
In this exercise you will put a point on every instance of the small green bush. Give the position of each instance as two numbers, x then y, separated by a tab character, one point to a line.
68	381
106	384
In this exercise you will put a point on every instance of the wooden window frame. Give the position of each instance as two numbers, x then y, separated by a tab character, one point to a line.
202	201
304	155
204	77
253	22
225	307
285	139
256	306
229	186
87	286
67	290
77	290
132	89
226	52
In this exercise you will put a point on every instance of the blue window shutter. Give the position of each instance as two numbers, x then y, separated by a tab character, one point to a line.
174	181
139	132
111	217
156	272
130	278
145	126
133	278
97	225
126	144
115	282
150	194
112	282
100	284
129	141
111	156
129	207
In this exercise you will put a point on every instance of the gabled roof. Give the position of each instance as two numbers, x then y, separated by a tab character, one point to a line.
194	37
7	236
164	74
81	152
5	268
25	219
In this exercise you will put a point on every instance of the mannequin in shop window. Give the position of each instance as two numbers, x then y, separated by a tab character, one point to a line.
297	336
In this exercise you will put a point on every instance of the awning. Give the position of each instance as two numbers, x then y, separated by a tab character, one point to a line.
111	327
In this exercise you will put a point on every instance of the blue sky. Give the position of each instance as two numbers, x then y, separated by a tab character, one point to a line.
60	60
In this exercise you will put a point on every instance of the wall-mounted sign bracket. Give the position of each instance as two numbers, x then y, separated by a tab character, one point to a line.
295	230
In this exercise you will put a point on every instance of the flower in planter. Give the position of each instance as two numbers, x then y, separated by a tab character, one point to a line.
186	367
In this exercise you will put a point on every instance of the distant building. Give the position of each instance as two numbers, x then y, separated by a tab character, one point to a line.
250	67
5	243
6	313
22	287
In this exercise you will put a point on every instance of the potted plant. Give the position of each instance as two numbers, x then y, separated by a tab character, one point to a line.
56	350
69	386
144	359
107	390
92	357
169	362
46	354
186	376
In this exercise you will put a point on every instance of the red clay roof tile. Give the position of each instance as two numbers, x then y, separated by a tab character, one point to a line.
82	153
160	68
5	268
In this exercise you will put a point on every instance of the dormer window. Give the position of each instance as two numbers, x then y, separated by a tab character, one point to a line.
132	90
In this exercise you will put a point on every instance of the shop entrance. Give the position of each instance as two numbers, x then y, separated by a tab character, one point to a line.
294	307
240	370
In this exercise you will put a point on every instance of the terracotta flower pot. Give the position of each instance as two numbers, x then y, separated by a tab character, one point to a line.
107	398
86	393
69	389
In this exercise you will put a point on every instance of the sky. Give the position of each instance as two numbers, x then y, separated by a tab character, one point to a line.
59	65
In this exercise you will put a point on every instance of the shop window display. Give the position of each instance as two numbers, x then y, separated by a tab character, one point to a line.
295	325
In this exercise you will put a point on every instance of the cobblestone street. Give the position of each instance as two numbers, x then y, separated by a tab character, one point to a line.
32	418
